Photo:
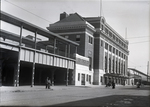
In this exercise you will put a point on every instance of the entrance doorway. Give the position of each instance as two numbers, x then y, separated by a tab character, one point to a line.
8	65
83	79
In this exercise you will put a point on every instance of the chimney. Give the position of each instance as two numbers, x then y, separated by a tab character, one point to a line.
63	15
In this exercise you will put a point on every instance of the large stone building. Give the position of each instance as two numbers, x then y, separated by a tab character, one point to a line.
104	50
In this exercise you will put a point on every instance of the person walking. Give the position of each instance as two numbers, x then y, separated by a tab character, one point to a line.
113	85
46	82
49	83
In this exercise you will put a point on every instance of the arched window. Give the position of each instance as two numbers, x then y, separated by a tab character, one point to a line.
116	67
105	64
113	66
109	65
119	67
122	68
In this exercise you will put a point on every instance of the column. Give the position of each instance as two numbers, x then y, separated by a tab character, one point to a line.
16	81
52	76
66	51
68	65
74	71
33	66
54	45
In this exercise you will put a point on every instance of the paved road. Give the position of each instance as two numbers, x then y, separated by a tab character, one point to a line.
121	96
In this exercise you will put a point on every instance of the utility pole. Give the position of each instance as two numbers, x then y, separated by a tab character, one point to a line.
147	70
126	33
100	8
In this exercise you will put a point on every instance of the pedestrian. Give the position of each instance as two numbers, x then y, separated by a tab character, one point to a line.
46	82
49	83
113	85
138	84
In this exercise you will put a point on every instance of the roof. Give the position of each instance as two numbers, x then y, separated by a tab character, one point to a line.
68	21
137	71
72	17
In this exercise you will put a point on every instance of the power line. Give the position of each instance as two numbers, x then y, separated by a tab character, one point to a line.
28	11
69	7
138	37
139	42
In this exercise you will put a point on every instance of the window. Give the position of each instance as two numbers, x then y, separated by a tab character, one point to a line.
101	43
77	37
109	65
90	79
105	64
116	52
116	66
114	37
124	56
90	63
110	47
117	39
106	30
102	27
106	46
90	40
87	77
113	50
119	67
119	53
78	76
66	37
113	66
101	78
110	34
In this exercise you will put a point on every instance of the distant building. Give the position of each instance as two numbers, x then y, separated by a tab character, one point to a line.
135	76
106	50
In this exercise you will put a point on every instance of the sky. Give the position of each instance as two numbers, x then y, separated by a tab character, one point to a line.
130	18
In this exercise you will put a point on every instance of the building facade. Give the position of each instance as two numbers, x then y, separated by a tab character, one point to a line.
106	50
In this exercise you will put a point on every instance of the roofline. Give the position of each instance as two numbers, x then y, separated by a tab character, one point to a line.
114	31
19	22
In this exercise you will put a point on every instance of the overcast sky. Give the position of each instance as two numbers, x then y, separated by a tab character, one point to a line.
133	15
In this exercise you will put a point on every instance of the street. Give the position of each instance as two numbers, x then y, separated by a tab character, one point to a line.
121	96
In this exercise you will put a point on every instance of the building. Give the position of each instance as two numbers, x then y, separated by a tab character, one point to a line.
99	44
135	76
29	54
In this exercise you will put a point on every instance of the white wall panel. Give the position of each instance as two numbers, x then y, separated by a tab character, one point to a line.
60	62
44	59
36	57
22	53
51	60
57	62
31	56
48	60
27	55
40	58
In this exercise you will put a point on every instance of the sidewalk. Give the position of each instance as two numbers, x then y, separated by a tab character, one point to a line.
57	87
41	88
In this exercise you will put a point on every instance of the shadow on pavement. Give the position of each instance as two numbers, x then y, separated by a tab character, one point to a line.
111	101
141	88
108	101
